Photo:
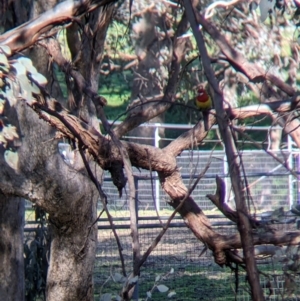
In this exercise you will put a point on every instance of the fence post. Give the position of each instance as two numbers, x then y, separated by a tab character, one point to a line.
157	185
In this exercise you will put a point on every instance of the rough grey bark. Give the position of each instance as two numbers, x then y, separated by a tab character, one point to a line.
12	208
64	192
70	199
11	248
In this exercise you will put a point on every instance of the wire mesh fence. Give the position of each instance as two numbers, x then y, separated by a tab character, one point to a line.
269	182
195	276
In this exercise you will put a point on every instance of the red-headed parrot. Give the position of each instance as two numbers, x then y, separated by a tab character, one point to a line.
204	104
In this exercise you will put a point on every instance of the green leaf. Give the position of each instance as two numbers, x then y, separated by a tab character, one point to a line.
149	295
2	140
10	132
20	69
12	159
4	69
27	63
26	89
162	288
266	7
157	278
171	294
3	60
10	96
134	280
118	277
35	89
16	89
39	78
172	271
6	49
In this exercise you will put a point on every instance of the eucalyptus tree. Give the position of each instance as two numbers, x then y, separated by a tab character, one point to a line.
35	117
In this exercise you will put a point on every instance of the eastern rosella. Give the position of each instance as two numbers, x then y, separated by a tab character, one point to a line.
203	100
204	104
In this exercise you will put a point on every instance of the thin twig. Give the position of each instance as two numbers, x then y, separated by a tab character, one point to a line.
150	112
267	151
131	184
209	12
89	231
244	225
166	226
104	202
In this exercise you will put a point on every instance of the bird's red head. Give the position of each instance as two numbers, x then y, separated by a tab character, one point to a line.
201	91
202	95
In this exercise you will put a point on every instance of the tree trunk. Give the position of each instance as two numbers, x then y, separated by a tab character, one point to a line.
150	75
64	191
67	195
11	248
70	199
72	260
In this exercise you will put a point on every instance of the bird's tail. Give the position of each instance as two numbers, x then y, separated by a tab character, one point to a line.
205	115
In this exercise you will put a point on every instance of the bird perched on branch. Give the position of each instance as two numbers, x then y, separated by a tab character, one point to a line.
204	104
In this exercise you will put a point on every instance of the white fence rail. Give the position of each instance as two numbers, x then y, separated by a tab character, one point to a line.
269	182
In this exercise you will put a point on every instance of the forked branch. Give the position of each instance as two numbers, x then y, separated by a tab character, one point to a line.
219	200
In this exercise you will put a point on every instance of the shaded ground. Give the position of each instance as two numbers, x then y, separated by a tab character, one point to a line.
195	277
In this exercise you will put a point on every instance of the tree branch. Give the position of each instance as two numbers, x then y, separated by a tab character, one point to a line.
191	138
219	200
254	72
104	203
164	163
53	49
28	33
234	161
149	111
